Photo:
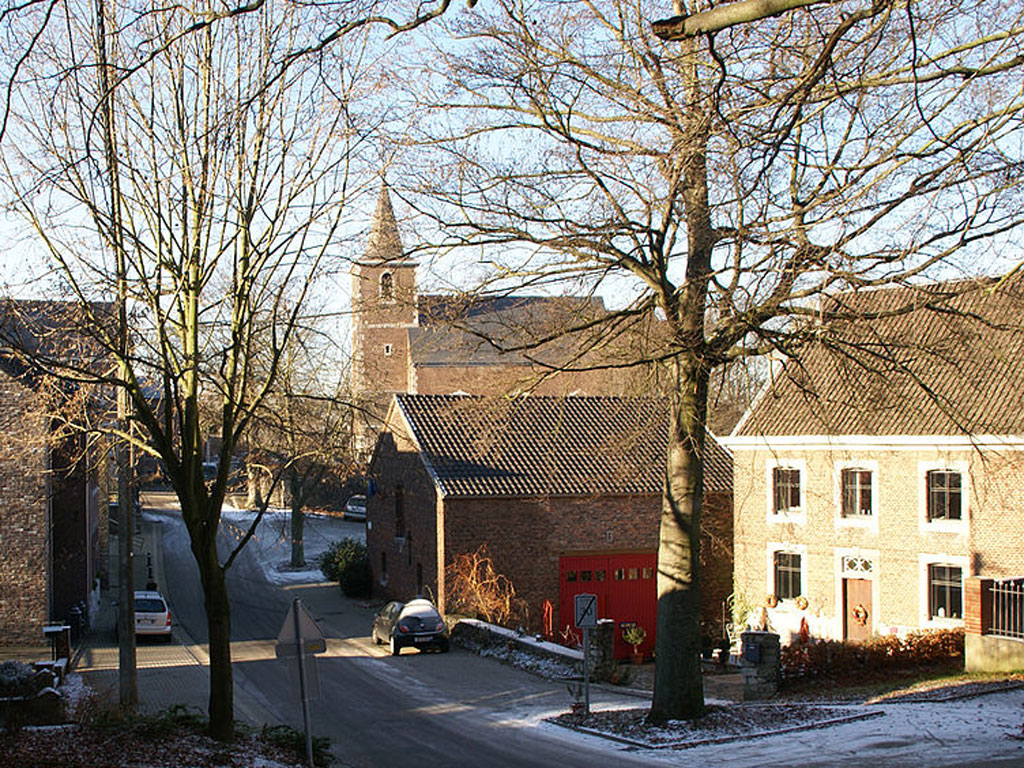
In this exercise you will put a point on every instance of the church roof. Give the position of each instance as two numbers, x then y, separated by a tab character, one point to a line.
943	359
455	330
548	446
385	241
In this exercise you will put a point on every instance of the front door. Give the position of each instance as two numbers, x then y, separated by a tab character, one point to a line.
858	618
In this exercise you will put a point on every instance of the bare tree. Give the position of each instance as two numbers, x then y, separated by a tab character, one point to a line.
727	182
204	193
301	438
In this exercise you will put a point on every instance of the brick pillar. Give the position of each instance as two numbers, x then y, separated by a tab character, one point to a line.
977	605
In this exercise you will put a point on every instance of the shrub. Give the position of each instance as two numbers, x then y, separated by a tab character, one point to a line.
476	589
346	562
837	660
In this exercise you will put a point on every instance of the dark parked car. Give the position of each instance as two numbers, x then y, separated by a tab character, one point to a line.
415	624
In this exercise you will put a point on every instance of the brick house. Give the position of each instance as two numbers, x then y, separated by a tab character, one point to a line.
52	525
405	341
878	476
565	492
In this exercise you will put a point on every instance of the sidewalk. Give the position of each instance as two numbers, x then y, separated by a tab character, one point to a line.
169	674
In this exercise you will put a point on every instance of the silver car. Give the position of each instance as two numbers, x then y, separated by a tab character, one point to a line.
355	508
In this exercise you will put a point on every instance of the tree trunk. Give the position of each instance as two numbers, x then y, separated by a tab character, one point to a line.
678	686
218	614
253	486
295	491
218	622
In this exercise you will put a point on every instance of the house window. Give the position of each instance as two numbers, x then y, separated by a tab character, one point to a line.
570	576
945	592
944	495
786	574
399	511
785	489
856	489
387	350
387	286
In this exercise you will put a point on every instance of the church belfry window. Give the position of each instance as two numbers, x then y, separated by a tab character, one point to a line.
387	286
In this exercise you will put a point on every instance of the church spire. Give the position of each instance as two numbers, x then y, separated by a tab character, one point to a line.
384	243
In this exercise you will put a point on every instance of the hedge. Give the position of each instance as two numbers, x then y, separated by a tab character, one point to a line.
836	659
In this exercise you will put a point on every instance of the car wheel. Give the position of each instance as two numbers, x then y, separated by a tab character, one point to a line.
395	648
444	647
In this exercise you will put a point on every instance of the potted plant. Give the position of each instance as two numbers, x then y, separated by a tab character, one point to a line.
635	635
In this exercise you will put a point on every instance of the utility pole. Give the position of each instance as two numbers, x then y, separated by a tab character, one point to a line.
126	656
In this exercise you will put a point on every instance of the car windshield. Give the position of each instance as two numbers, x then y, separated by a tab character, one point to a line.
149	605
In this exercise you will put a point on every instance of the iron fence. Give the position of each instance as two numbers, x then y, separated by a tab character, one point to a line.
1008	608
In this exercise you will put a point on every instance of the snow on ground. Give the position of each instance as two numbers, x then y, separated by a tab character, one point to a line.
271	545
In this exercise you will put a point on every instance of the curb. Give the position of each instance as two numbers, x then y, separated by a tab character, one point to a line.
719	739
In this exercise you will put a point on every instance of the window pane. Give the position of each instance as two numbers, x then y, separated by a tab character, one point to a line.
856	492
787	575
944	495
945	592
570	575
786	489
584	575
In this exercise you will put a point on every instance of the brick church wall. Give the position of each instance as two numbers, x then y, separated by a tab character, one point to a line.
23	517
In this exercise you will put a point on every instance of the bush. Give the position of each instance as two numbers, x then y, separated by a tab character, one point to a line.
475	589
837	660
346	562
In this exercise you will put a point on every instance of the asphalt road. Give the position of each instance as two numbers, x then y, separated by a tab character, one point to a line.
454	709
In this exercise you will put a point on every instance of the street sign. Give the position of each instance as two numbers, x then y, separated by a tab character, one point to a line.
300	636
585	612
305	627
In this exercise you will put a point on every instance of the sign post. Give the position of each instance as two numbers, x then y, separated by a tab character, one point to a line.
585	614
300	635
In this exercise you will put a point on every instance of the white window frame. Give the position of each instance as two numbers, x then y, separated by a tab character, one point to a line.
798	515
856	521
957	561
791	549
961	526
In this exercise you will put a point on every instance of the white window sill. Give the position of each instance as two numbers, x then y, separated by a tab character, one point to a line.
946	526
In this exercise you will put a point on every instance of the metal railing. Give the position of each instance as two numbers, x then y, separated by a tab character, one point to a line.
1007	608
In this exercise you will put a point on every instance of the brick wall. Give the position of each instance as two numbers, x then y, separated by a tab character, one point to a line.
526	537
24	542
898	541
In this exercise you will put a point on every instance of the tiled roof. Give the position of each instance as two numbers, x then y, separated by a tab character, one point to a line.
458	330
548	446
946	361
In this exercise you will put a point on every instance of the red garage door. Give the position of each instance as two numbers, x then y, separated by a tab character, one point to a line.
625	589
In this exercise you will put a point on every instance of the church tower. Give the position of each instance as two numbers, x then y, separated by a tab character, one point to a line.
384	308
